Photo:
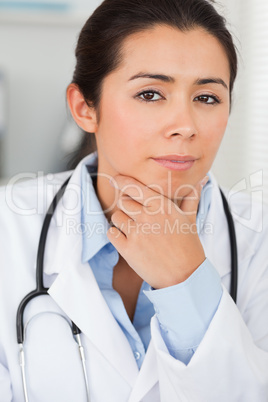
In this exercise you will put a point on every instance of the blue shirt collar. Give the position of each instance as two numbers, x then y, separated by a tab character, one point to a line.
94	224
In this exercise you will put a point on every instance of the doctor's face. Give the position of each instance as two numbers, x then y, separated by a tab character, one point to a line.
164	110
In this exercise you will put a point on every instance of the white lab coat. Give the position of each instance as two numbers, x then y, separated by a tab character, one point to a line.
230	364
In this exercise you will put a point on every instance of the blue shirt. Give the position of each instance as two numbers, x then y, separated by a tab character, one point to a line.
184	311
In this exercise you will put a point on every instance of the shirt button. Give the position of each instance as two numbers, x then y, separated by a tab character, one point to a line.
137	355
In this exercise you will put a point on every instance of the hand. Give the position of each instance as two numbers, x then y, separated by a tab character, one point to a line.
157	238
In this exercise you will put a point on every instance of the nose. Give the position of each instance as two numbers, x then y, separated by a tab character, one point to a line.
181	121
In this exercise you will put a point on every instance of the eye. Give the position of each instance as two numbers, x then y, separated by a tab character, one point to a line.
208	99
149	96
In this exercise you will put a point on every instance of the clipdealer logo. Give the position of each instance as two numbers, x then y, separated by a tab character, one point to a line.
75	199
142	228
252	216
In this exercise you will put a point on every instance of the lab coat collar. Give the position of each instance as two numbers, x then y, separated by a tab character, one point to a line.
65	233
95	224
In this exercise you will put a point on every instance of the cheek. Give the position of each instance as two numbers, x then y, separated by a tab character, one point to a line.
125	127
119	136
215	133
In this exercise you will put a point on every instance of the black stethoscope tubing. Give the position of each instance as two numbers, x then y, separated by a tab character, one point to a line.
41	290
233	248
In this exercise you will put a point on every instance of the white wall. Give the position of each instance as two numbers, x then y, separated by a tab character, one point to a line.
242	161
37	58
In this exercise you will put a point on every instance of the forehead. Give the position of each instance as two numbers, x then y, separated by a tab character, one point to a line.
173	52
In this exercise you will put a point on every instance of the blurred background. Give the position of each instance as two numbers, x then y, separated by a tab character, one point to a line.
37	42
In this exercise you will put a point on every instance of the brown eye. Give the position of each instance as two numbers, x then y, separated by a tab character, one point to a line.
148	95
204	98
207	99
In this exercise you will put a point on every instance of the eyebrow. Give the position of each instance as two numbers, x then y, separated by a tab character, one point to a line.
204	81
168	78
160	77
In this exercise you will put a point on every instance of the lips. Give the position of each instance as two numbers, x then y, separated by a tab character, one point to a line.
176	162
176	158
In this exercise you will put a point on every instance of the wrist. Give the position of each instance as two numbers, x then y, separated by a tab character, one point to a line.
180	275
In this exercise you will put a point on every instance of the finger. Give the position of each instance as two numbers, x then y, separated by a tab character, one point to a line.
129	206
133	188
189	204
117	238
123	222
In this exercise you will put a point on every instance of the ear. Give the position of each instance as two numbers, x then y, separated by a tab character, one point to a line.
84	115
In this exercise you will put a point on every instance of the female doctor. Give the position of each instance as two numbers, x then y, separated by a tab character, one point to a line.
137	257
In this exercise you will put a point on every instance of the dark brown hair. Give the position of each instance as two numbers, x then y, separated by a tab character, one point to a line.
99	46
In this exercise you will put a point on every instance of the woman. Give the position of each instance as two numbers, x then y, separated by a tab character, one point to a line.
137	254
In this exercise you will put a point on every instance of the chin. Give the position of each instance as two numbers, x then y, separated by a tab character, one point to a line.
172	188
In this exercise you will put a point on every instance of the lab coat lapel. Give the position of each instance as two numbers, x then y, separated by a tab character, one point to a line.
148	375
77	293
75	290
214	236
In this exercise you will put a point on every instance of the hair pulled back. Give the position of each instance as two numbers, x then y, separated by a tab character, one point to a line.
98	50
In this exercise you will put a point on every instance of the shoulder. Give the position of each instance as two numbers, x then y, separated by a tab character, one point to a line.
250	215
23	206
31	196
249	212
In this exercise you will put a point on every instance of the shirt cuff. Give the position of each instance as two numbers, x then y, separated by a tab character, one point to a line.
184	311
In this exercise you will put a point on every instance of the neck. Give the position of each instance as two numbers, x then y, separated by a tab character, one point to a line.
107	195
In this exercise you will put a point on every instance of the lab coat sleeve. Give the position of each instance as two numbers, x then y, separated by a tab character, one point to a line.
227	365
5	385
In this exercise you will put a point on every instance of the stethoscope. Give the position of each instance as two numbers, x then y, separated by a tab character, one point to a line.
41	290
